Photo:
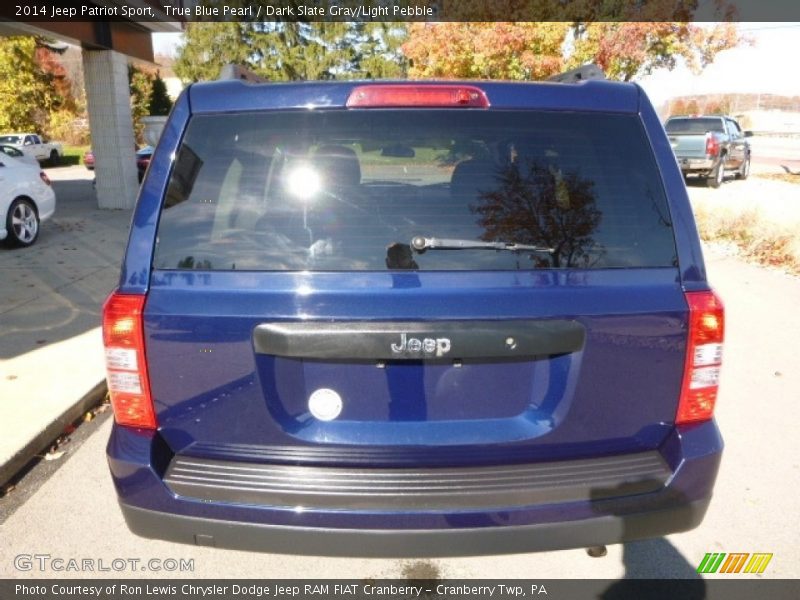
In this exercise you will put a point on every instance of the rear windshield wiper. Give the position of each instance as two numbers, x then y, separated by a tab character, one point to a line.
421	243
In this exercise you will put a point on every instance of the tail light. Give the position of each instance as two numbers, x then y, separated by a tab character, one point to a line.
703	357
43	176
126	369
411	95
712	145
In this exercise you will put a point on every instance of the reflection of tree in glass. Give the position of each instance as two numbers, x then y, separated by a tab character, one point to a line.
546	207
190	263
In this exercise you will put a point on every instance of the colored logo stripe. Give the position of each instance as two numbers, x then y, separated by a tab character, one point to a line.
758	563
713	562
734	562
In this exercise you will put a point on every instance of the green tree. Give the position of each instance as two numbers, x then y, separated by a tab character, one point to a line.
377	50
141	88
289	51
25	95
208	47
160	103
299	51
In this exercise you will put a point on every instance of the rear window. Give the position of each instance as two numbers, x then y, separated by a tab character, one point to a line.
693	125
347	190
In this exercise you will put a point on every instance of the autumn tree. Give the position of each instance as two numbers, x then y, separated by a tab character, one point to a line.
629	50
626	38
485	50
677	107
54	76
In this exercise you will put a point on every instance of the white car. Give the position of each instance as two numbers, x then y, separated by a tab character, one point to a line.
18	154
26	199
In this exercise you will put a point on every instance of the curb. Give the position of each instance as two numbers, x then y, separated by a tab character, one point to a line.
55	428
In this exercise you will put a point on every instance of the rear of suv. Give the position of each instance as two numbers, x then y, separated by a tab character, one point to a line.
399	319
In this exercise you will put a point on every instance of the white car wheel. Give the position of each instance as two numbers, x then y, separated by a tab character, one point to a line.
22	223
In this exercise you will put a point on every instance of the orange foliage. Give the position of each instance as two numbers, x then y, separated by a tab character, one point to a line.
485	50
627	38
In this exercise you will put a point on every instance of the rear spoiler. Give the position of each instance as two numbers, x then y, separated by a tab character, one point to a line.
582	73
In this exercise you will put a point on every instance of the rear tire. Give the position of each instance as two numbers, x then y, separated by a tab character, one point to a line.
717	176
744	171
22	223
54	158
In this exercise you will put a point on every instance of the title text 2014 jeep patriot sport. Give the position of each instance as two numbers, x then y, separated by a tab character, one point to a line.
413	319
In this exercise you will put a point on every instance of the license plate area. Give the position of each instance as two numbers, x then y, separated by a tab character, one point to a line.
413	382
421	402
419	391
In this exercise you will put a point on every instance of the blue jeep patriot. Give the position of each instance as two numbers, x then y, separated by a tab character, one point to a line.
413	319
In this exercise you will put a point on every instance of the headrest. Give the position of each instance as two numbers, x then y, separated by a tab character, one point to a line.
338	165
473	176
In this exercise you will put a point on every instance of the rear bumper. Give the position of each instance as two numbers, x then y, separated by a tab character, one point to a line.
522	513
392	543
46	203
697	165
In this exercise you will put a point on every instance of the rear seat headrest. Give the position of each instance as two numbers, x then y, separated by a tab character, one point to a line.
338	165
473	176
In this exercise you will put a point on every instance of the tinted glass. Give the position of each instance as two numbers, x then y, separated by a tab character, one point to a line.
348	190
11	151
693	125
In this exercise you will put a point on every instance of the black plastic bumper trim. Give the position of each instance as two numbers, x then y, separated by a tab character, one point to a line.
418	340
461	488
596	531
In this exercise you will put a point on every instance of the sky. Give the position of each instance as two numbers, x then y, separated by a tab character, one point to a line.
769	66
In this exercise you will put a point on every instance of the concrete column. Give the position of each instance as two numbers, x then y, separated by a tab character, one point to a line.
111	125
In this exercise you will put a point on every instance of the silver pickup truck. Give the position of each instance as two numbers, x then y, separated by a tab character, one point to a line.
710	147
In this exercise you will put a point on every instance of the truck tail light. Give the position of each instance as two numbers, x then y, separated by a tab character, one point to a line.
413	96
712	145
703	357
126	369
